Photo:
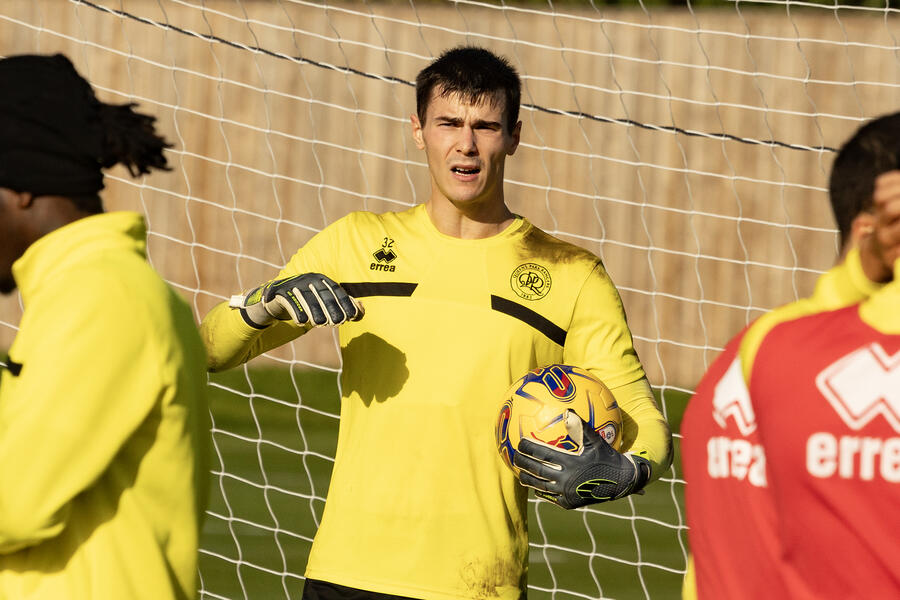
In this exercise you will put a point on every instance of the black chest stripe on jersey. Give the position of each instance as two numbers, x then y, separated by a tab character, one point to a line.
13	367
526	315
379	288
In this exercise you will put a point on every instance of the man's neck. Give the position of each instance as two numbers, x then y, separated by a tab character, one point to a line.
473	223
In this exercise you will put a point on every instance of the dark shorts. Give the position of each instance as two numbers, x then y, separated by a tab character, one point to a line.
314	589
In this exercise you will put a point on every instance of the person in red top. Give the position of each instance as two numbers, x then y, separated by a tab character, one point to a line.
825	390
743	510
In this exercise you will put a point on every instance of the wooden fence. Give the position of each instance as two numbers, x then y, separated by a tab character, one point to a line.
696	168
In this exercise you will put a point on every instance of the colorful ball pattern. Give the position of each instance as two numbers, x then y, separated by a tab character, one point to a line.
535	407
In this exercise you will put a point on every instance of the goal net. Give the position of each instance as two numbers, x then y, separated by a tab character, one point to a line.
687	146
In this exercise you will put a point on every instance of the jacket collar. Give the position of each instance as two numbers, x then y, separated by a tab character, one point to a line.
61	248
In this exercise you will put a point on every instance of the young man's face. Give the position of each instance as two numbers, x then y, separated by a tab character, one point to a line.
466	146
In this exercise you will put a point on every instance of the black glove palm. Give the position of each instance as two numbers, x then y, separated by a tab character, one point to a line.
596	474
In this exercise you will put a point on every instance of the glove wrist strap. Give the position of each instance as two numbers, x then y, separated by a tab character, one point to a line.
642	472
245	315
254	314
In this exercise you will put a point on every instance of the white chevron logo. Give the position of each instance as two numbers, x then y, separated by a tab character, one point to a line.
731	399
862	385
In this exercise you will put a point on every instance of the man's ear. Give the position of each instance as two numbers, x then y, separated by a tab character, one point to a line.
26	199
515	134
862	225
14	199
17	199
417	132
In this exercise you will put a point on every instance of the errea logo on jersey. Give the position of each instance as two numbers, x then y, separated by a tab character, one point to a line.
735	457
731	399
384	256
863	385
859	386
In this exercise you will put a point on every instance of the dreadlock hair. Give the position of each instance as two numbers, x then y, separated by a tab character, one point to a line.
56	136
476	75
130	139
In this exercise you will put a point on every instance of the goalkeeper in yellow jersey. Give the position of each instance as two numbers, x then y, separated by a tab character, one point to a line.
104	426
461	297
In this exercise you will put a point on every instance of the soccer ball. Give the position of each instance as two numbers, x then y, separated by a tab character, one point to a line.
535	407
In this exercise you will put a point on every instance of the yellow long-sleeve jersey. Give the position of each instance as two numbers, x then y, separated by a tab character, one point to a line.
420	503
104	426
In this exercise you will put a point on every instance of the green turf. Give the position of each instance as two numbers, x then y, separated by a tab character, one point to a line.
274	430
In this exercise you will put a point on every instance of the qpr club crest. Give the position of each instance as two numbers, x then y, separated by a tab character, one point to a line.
530	281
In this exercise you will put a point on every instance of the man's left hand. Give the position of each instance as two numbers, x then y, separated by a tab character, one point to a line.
597	473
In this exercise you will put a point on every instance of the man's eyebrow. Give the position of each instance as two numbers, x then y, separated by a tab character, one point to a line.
477	123
487	123
448	119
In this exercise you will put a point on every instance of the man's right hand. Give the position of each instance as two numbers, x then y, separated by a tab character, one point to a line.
880	249
309	298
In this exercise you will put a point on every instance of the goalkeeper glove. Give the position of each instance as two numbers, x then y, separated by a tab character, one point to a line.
309	298
597	473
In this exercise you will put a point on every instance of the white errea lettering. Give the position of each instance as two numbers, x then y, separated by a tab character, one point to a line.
853	457
736	458
868	451
741	452
821	449
847	448
717	459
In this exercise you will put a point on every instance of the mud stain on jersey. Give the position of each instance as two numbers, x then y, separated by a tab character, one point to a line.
501	579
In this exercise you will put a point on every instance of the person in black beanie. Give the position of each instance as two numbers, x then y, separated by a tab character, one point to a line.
104	426
56	137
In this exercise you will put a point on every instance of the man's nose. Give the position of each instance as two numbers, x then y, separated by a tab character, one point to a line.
466	143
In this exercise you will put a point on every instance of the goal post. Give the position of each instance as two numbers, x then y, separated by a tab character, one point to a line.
687	146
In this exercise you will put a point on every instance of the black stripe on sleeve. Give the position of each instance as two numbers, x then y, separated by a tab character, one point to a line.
526	315
374	288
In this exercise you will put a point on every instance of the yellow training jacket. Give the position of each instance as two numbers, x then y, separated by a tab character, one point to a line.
420	502
103	424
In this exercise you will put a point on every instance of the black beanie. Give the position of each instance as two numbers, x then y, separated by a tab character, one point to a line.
51	135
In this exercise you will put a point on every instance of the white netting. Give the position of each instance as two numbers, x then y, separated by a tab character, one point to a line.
688	146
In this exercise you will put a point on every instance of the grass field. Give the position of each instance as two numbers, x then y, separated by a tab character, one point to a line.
274	431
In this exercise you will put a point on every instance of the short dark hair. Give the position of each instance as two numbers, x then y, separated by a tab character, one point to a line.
874	149
472	73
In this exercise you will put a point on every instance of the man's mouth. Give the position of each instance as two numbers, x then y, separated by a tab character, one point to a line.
466	170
